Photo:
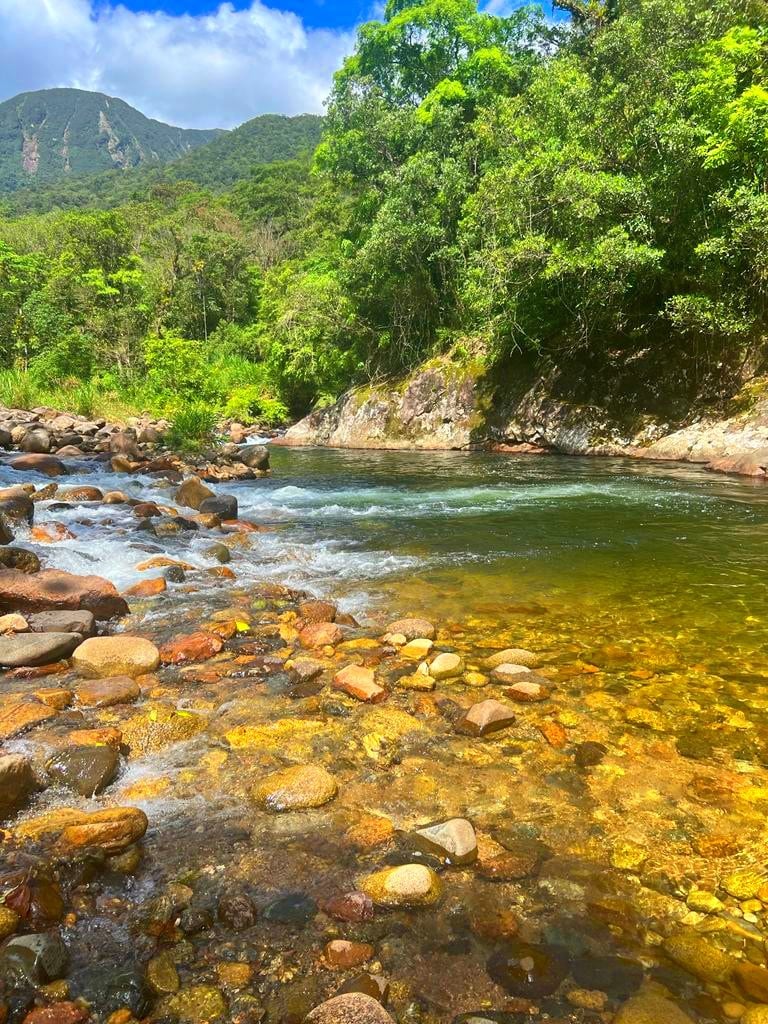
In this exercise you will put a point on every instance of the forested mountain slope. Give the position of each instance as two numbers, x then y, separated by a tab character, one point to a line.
51	134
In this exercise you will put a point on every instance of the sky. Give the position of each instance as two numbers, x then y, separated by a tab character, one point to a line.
192	63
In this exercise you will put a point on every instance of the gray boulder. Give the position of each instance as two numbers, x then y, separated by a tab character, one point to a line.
21	649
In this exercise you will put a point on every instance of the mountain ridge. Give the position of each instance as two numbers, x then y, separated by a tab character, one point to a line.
48	135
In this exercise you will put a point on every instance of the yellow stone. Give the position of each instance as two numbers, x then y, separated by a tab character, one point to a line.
234	976
627	856
476	679
162	976
291	737
9	921
417	681
704	902
744	883
408	885
587	999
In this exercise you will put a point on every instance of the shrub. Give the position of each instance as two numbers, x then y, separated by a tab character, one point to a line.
192	427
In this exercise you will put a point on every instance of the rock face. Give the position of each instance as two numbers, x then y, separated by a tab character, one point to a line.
52	589
102	656
436	408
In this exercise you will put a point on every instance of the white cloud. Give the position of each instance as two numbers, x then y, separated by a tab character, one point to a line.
213	70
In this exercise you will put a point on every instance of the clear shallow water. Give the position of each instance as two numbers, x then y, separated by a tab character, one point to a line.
642	587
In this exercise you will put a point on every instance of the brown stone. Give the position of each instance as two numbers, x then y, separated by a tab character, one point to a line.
320	634
104	693
553	733
193	493
147	588
17	782
52	589
360	683
81	494
57	1013
111	829
413	628
753	980
344	954
106	737
317	611
48	465
20	717
484	718
351	1008
350	906
162	562
195	647
105	656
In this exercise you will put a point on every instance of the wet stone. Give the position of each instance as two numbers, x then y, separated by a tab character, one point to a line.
36	648
528	690
104	693
616	975
350	1008
413	629
162	976
82	622
344	954
350	906
695	954
197	1004
112	987
122	655
650	1008
58	1013
297	788
9	921
446	666
528	971
485	718
454	841
589	754
407	885
295	908
513	656
33	959
86	770
237	911
375	986
17	782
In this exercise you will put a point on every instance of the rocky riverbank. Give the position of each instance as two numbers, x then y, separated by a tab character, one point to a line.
230	801
442	407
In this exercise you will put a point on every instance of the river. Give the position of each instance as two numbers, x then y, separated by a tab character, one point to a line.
601	812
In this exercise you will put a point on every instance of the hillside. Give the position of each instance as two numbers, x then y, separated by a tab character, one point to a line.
263	140
53	134
217	165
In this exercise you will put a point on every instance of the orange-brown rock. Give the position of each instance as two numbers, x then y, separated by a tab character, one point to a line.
111	829
53	589
320	634
106	737
21	716
553	733
221	572
102	657
162	562
51	533
344	954
64	1012
104	693
147	588
196	647
48	465
81	494
317	611
359	682
56	699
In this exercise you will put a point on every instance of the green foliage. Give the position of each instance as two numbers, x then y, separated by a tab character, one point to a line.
589	195
192	426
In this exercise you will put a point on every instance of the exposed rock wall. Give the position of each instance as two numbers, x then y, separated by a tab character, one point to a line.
441	407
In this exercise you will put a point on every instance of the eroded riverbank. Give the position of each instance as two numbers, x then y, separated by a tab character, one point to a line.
620	807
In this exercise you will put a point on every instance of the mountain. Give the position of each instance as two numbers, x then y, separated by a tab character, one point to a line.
53	134
266	139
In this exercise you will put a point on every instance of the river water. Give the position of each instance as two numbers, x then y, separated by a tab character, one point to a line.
643	589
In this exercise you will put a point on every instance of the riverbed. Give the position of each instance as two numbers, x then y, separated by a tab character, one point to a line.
602	812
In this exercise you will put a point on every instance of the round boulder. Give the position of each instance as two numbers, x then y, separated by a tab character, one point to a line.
102	656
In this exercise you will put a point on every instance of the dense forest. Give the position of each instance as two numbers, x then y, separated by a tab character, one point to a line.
588	194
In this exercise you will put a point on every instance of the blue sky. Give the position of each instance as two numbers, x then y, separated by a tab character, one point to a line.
315	13
192	63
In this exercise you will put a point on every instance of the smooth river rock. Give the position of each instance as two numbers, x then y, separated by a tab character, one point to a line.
408	885
295	789
17	783
105	693
36	648
82	622
103	656
695	954
86	770
413	629
352	1008
513	656
650	1008
51	589
484	718
453	840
